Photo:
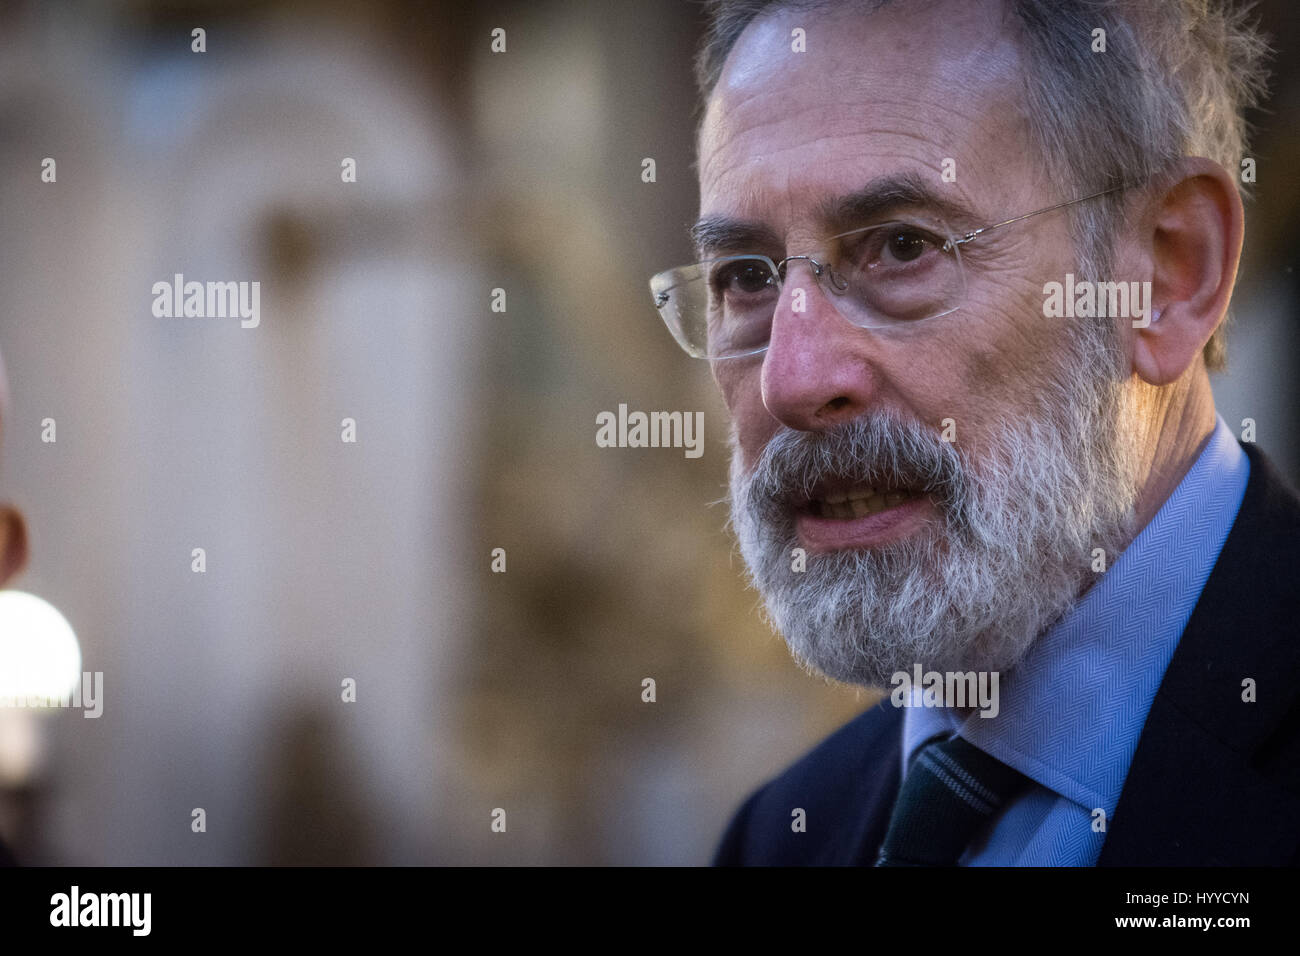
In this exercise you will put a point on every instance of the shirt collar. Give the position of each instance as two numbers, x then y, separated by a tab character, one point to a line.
1072	711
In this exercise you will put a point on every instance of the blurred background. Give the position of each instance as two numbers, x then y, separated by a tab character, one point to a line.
372	561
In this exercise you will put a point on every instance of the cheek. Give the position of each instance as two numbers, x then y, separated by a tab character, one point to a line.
740	382
1025	352
987	363
1020	347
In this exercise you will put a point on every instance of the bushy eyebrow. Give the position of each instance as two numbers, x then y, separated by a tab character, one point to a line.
888	194
719	235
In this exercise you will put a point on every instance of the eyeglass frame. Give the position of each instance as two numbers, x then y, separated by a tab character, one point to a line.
950	245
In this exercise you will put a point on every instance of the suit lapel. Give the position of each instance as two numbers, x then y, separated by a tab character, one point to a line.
1214	780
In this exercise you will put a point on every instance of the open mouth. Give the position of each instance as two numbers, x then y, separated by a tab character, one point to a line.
858	501
843	514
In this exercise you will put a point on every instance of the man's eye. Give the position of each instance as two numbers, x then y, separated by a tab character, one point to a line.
747	278
892	246
906	245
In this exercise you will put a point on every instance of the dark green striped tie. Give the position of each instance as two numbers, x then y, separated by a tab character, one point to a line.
952	788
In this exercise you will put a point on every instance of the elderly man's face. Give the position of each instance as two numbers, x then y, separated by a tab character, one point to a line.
981	446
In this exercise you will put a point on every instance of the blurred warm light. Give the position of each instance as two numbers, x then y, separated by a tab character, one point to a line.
39	653
21	746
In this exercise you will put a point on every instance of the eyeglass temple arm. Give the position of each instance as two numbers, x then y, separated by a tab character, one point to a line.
951	244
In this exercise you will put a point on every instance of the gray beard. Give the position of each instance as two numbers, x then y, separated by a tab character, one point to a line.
1019	517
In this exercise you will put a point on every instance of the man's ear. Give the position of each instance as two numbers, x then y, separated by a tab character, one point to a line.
1194	227
13	543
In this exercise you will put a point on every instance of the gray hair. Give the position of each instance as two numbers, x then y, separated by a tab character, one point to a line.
1183	74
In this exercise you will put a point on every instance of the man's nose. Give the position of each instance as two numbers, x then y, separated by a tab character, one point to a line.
817	370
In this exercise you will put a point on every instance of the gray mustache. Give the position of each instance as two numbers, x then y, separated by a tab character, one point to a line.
877	450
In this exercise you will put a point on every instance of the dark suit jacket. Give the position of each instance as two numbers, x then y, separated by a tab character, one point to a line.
1215	781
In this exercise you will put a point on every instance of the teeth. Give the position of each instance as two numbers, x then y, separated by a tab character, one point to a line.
858	503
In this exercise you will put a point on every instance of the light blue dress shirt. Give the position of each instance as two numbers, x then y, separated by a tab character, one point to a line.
1072	711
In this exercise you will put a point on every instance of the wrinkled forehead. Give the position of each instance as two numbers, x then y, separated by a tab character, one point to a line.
810	103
